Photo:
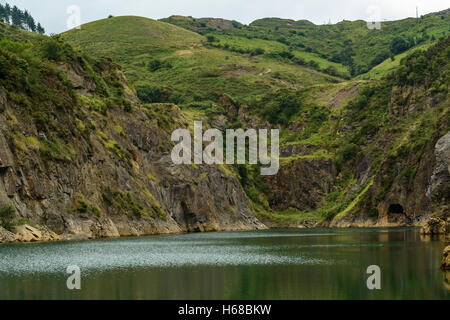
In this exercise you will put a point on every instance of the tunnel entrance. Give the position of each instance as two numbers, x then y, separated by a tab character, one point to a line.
396	208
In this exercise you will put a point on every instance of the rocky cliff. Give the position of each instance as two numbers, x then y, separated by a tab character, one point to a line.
87	160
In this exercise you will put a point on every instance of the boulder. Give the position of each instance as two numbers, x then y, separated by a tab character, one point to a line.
440	180
27	233
6	236
435	226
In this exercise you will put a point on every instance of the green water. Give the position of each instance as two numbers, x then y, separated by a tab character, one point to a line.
271	264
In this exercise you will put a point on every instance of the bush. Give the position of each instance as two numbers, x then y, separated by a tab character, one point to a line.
286	55
157	64
149	94
399	45
211	38
51	50
380	58
257	52
280	106
7	215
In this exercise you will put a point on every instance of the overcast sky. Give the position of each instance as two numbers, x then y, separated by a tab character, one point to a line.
53	13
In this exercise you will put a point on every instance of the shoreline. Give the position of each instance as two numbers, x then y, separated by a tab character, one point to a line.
69	238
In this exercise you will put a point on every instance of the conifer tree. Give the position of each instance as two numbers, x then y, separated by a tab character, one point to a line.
7	13
16	17
39	29
19	18
2	13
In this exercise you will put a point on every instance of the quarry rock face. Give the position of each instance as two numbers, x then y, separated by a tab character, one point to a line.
440	180
120	181
301	184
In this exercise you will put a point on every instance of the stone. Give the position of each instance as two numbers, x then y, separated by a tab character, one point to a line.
26	233
435	226
440	180
6	236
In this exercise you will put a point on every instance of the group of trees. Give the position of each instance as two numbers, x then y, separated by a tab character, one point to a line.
19	18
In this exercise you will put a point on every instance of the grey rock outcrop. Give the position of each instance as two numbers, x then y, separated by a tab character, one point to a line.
116	180
440	180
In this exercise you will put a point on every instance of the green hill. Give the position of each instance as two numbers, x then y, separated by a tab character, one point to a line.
350	43
169	64
131	35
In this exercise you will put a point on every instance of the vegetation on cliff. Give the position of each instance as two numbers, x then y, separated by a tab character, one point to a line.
88	114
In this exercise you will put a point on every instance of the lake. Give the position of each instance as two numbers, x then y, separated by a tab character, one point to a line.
268	264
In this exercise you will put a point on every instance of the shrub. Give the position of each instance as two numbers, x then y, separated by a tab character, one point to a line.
157	64
257	52
149	94
7	215
399	45
280	106
51	50
286	55
210	38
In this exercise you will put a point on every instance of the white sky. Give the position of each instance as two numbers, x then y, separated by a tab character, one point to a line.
53	13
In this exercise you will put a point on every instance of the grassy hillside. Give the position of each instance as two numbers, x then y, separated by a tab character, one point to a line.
169	64
389	65
348	42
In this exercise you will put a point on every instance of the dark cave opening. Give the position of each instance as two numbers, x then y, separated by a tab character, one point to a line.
396	208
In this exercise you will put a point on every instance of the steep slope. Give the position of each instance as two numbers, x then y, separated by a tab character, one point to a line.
340	142
80	157
367	157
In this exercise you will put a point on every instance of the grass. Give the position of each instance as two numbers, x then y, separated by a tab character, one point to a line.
292	216
390	65
82	205
197	72
329	41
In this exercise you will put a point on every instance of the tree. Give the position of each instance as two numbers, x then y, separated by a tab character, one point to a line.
19	18
398	45
7	13
29	21
2	12
16	17
39	29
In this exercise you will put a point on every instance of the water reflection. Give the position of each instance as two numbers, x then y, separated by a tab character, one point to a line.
446	279
269	264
